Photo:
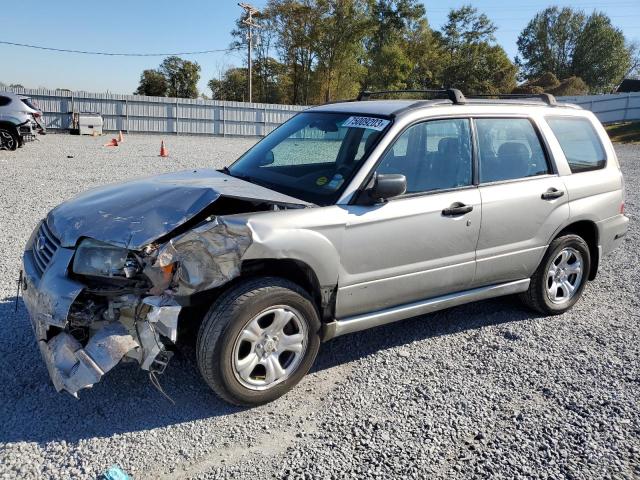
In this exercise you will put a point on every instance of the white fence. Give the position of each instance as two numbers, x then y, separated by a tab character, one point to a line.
133	113
616	107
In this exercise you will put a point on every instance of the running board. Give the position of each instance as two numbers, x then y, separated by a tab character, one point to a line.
389	315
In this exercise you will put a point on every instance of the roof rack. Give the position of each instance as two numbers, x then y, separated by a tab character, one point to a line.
453	94
545	97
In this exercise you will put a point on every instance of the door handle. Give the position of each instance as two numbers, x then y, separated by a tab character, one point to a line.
552	194
457	209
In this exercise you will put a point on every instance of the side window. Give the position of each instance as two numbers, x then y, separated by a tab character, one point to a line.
4	101
509	148
433	155
579	142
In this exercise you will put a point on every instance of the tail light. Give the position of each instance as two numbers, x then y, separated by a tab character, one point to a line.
622	206
37	114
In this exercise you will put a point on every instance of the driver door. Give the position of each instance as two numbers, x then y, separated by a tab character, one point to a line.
410	248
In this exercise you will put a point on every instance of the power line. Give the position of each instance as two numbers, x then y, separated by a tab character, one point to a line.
116	54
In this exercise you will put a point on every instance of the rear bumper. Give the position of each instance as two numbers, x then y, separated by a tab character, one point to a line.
27	130
611	233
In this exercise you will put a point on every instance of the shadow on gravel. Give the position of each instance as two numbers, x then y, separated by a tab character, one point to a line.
125	401
446	322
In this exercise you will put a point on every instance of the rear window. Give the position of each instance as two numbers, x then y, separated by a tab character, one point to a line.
30	103
579	142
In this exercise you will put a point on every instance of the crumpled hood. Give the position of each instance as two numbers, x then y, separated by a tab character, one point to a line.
135	213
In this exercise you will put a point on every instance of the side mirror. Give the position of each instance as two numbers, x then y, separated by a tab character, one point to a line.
386	186
268	159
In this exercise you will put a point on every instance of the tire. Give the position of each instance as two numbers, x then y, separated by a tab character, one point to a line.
8	139
566	264
242	327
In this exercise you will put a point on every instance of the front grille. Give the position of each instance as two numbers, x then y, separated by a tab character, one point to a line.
44	246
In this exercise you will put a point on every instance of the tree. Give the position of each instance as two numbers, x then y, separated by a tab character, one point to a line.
388	49
549	83
426	53
232	86
152	83
16	86
475	64
296	24
182	77
601	57
570	44
634	67
466	26
570	87
548	41
339	49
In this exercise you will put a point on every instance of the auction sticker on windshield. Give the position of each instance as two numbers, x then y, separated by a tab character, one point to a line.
366	122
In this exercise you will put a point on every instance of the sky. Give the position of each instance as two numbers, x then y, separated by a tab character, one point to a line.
167	26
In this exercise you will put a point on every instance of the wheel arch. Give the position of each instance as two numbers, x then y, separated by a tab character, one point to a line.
299	273
588	231
9	125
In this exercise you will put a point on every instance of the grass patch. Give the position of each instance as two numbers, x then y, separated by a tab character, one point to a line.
624	132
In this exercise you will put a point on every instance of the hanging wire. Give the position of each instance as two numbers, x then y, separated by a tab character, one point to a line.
117	54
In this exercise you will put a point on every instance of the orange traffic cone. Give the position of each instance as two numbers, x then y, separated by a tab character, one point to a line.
120	137
112	143
163	151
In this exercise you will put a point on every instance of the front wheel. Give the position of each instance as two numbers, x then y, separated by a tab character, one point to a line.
560	279
258	340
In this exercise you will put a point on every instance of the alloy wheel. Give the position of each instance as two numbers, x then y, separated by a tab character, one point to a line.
564	275
270	347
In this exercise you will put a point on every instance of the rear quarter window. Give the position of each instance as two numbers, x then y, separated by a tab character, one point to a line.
579	142
4	101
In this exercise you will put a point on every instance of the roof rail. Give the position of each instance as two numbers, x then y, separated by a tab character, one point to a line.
545	97
453	94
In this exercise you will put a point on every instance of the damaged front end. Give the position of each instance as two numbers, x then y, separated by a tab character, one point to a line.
96	305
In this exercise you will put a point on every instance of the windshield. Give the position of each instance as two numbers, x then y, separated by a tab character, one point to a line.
312	156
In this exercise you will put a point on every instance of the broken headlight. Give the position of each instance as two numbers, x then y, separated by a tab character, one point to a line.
100	259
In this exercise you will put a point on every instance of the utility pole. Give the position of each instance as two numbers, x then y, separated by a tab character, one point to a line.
249	21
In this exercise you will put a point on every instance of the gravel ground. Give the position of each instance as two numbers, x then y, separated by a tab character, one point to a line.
484	390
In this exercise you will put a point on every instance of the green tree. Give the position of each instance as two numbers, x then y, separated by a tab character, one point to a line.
152	83
568	44
182	77
426	53
339	49
601	57
297	27
232	86
476	65
466	26
548	42
549	83
388	62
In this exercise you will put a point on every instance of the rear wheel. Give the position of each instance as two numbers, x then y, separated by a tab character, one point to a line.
560	279
258	340
8	139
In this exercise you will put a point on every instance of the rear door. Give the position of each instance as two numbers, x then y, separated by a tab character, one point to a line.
523	199
414	246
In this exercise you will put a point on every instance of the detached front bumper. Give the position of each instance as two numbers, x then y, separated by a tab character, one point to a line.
49	295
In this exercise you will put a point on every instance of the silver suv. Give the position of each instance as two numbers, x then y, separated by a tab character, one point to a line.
17	120
348	216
